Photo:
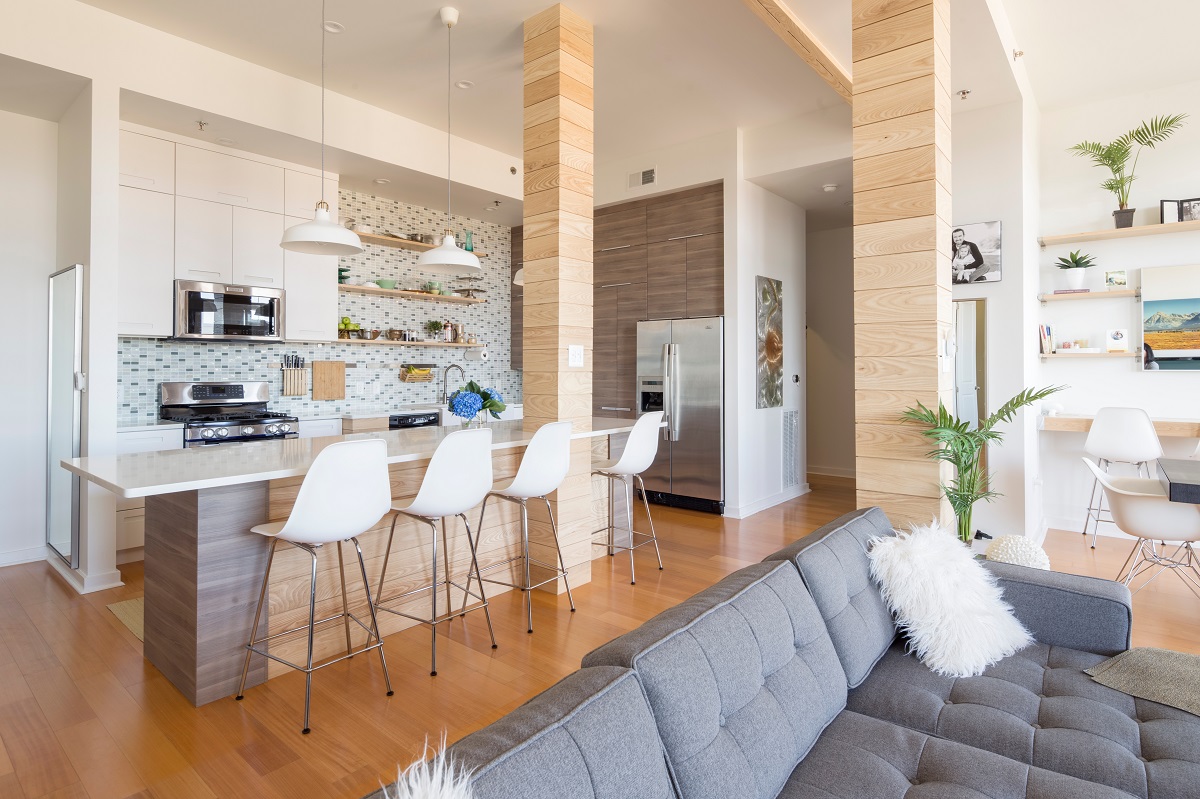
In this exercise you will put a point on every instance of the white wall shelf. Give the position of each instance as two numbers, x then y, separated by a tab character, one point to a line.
1090	295
411	295
1091	355
1119	233
403	244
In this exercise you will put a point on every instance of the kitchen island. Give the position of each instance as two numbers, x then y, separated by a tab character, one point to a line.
203	566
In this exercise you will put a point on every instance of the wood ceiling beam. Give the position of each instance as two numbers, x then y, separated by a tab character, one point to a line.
787	26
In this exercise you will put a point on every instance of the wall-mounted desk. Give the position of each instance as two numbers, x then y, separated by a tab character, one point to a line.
1079	423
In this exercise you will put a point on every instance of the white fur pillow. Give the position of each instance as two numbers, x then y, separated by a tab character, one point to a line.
948	604
436	778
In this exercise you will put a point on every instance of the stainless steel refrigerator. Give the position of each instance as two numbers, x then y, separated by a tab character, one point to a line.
681	371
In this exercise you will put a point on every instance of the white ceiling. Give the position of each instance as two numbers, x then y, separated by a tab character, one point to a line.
37	91
804	187
664	73
1081	50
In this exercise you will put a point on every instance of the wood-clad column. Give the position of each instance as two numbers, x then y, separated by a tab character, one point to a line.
902	300
558	266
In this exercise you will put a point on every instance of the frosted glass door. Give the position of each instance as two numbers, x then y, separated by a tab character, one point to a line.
65	356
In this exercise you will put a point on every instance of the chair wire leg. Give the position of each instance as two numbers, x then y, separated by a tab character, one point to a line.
650	519
526	590
345	601
612	512
1091	508
1104	464
362	567
433	600
487	611
387	552
1128	559
471	572
629	518
312	623
561	563
446	563
262	595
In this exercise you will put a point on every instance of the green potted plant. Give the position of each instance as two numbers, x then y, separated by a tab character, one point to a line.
1115	157
961	446
1073	266
433	329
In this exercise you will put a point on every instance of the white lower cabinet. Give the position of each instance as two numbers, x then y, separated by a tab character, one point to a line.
203	241
131	513
145	262
310	304
314	428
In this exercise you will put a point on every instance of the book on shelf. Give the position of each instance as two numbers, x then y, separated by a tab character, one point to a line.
1072	291
1046	337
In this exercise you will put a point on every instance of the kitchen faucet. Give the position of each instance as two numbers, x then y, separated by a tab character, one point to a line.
446	380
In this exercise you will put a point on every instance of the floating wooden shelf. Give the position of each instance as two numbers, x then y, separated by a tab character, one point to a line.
403	244
1092	355
1090	295
1120	233
387	341
410	295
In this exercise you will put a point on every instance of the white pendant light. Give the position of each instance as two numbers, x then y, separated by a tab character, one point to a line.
447	258
519	277
323	235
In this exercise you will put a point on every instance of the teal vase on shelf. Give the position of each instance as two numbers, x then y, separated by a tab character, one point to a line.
468	243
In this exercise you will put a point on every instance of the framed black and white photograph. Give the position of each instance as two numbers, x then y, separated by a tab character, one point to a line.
1168	211
1189	210
975	253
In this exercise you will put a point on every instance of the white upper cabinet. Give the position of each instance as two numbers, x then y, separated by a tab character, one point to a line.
145	263
203	241
147	163
257	256
311	294
302	192
220	178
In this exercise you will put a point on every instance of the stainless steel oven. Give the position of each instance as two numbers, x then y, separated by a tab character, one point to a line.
227	311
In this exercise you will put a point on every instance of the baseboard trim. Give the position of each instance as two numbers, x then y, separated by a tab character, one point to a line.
743	511
83	583
131	555
832	471
29	555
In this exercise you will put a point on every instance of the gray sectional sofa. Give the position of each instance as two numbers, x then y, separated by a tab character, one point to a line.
787	679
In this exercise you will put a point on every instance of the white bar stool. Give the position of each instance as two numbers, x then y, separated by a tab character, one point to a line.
639	454
345	493
544	465
1118	435
458	478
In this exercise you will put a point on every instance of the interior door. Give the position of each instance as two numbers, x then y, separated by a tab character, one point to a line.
65	324
653	341
697	458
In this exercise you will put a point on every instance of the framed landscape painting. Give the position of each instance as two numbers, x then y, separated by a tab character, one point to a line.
1171	318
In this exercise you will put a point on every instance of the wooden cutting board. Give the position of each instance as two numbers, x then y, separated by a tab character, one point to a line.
328	380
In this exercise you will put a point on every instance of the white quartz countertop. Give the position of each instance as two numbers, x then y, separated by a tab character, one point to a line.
146	474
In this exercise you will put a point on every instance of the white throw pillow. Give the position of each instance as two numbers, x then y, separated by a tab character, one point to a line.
437	778
946	602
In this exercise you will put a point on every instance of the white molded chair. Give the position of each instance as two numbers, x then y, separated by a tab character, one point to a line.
545	464
1141	508
345	493
458	478
1118	435
639	454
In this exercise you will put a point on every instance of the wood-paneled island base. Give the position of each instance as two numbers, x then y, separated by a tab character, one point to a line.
203	566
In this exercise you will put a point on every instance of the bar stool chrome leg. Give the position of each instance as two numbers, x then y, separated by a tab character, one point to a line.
262	596
487	611
345	603
362	568
650	519
562	564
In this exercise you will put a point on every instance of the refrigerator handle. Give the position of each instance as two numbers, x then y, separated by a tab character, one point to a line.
666	372
673	426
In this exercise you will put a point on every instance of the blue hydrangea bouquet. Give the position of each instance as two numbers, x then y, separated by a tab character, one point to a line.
471	400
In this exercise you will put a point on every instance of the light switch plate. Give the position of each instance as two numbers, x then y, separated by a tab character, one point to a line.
575	355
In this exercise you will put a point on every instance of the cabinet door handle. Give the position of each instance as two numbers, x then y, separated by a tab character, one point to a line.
233	196
258	279
204	272
614	285
689	236
606	408
138	178
621	247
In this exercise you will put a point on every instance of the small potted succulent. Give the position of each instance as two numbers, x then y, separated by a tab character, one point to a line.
471	401
1073	266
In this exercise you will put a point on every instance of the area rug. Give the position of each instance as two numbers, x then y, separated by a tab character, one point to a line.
132	613
1160	675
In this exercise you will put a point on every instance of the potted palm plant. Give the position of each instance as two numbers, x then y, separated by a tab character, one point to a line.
961	447
1115	157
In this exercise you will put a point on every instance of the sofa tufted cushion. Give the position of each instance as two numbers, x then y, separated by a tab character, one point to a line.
1038	707
859	757
589	735
833	561
741	678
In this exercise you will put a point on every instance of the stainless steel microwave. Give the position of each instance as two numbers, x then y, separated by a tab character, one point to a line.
226	311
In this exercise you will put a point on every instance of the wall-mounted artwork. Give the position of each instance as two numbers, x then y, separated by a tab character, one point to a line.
770	341
1171	318
975	252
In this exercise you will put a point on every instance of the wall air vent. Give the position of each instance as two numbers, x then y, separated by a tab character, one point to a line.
644	177
791	448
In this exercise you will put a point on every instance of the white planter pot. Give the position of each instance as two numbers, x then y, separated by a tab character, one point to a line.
1073	278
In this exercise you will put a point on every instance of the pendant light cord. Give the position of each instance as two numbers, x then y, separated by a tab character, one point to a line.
449	59
323	103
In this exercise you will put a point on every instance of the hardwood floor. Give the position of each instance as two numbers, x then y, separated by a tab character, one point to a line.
83	715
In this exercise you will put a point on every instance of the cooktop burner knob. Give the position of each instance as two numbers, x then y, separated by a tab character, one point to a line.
223	432
207	433
285	428
272	429
247	430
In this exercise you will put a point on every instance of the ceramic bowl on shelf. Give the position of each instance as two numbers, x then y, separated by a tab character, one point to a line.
395	335
386	283
368	335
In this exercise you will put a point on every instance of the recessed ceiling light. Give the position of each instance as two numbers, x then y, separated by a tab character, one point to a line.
964	94
382	181
226	142
830	187
465	84
333	27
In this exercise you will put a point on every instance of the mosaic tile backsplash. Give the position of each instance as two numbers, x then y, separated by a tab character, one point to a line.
373	374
